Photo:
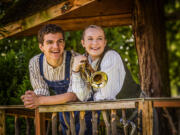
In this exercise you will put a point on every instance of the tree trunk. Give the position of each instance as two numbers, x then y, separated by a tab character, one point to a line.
149	31
150	39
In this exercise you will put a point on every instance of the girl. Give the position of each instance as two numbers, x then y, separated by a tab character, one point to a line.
120	83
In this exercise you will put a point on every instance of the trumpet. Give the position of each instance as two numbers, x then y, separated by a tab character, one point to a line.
97	79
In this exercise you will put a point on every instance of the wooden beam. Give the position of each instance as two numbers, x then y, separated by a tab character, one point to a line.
40	122
54	123
2	122
43	16
82	123
104	21
88	106
94	123
106	121
147	117
81	23
166	104
114	122
16	123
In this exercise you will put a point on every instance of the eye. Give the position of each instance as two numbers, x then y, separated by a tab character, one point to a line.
60	41
99	38
49	42
90	39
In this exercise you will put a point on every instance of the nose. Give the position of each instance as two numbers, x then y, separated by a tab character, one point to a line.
94	41
56	45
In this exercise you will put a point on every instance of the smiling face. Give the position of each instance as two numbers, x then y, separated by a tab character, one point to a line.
94	42
53	48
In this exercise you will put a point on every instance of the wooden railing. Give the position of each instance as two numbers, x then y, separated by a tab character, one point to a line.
18	111
109	110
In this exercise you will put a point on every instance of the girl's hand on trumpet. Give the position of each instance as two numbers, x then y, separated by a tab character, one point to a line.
78	62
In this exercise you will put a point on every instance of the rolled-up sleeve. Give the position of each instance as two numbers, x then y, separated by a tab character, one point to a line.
79	87
39	85
113	66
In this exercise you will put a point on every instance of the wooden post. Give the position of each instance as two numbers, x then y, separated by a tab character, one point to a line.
48	127
40	122
27	126
82	123
147	117
72	123
113	122
68	131
106	120
16	120
94	122
2	122
54	123
124	121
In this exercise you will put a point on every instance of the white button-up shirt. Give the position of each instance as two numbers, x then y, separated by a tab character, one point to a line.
40	87
113	66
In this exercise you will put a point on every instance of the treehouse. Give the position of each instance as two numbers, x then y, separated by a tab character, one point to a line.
147	20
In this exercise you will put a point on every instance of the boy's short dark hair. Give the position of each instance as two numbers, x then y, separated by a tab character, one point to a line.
48	28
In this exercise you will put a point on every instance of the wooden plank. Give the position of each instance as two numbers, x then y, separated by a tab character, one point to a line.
88	106
68	131
25	113
27	126
106	121
140	108
40	122
54	123
104	21
21	112
16	125
12	107
48	127
43	16
124	122
114	122
2	122
150	108
82	123
73	24
166	103
94	123
72	123
147	117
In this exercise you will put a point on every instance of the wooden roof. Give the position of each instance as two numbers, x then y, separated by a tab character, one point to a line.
74	15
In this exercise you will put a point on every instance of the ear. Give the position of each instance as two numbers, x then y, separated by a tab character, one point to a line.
41	47
82	42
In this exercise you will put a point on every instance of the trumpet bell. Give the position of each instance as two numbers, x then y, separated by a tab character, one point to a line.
99	79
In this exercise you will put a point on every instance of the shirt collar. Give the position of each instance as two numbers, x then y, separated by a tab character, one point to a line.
59	67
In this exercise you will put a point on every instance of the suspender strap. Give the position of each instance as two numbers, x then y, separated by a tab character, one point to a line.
41	64
67	67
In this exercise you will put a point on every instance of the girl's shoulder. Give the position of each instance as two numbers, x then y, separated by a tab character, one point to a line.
112	54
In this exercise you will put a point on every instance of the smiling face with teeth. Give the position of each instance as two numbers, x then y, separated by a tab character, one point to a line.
53	48
94	41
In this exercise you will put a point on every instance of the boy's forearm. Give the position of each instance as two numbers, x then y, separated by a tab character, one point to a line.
57	99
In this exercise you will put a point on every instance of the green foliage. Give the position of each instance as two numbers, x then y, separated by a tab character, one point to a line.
173	44
14	58
121	39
